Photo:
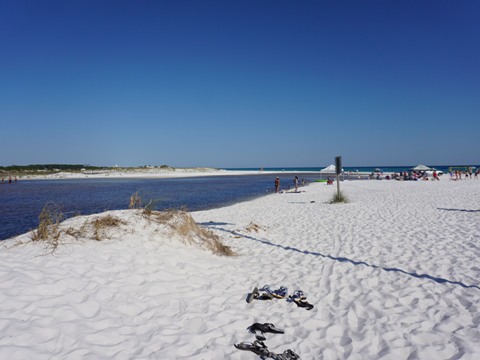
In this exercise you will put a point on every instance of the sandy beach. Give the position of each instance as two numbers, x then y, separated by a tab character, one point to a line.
394	273
155	173
158	173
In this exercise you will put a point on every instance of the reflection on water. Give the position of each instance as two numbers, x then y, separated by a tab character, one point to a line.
22	202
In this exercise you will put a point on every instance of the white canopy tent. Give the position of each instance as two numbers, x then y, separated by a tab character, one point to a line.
331	169
421	168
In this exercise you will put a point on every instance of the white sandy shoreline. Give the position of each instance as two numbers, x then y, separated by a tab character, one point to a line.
137	174
393	274
161	174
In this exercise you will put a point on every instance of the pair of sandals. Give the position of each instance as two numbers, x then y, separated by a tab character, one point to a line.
280	293
258	346
266	293
300	299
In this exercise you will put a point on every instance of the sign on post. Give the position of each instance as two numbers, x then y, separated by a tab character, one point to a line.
338	170
338	165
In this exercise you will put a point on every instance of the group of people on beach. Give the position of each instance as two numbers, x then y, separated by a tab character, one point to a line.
457	174
296	183
9	179
410	175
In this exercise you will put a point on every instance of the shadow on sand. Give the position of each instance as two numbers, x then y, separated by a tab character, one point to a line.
463	210
341	259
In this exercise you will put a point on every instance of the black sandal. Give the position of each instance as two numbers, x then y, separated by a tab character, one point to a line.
265	328
287	355
257	347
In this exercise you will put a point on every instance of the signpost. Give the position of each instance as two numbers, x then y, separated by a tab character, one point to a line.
338	170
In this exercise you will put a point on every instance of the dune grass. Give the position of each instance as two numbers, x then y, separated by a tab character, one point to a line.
101	225
339	197
135	201
181	223
177	222
48	227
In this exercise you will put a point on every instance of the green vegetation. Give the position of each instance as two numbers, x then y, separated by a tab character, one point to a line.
46	169
50	167
20	170
338	197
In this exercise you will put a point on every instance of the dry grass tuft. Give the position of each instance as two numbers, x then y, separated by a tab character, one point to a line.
253	227
163	217
102	224
182	224
95	229
76	233
48	227
135	201
147	209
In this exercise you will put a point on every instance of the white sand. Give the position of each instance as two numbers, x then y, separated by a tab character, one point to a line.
154	173
393	274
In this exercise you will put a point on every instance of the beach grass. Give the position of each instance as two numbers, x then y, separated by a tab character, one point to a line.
338	198
135	201
178	223
182	224
48	228
102	224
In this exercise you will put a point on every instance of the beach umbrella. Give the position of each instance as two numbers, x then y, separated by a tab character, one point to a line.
421	168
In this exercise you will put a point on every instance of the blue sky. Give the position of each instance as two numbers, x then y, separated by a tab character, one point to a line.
261	83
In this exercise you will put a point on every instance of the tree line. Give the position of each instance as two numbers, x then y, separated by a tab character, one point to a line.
51	167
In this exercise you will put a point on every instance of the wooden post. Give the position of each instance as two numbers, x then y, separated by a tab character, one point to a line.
338	170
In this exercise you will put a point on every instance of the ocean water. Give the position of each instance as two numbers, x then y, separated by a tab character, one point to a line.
22	202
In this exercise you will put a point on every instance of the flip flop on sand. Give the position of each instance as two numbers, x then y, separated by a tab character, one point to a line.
265	328
300	299
256	347
280	293
256	295
287	355
303	304
266	293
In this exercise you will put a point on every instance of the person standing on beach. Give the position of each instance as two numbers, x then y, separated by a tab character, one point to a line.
295	183
277	184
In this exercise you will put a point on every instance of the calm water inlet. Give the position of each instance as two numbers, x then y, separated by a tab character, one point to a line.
22	202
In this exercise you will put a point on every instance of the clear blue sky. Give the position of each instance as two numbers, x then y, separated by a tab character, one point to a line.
239	83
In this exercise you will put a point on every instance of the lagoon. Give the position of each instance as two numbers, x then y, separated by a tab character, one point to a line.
22	202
